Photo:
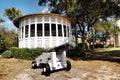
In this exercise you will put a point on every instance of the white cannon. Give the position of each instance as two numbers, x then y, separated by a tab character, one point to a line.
53	59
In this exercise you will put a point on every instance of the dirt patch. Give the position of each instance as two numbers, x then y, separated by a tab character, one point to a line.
103	64
81	70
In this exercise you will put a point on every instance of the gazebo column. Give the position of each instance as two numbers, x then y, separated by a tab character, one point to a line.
35	41
20	39
23	37
29	43
50	34
57	35
63	32
43	36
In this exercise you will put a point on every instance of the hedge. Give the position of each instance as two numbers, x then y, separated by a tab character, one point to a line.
7	54
76	52
25	53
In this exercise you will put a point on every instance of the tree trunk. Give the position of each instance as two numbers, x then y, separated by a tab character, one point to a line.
114	40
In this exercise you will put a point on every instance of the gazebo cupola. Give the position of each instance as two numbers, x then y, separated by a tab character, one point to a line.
43	30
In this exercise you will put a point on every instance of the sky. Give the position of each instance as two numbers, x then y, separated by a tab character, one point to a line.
26	6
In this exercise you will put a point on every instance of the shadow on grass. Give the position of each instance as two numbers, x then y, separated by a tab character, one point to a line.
112	56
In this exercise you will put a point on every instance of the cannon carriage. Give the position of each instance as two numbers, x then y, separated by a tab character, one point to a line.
53	59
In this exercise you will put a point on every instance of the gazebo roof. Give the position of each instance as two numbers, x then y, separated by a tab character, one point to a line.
17	20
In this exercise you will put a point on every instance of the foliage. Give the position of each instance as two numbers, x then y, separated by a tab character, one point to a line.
77	52
104	29
2	20
25	53
8	39
12	13
7	54
110	46
84	13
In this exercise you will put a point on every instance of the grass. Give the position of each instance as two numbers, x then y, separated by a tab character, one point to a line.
10	67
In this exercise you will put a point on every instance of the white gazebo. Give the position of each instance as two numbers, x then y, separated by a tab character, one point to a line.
43	30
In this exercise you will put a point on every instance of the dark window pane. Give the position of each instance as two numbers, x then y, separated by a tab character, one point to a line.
47	29
59	30
32	30
39	29
22	31
64	30
53	27
68	31
26	31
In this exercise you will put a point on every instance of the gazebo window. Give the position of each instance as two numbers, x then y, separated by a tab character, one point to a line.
53	27
26	31
46	19
47	29
59	30
68	31
32	30
32	20
39	19
22	31
52	19
64	30
20	36
39	29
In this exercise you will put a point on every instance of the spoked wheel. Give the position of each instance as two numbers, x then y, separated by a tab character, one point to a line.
34	65
68	66
46	70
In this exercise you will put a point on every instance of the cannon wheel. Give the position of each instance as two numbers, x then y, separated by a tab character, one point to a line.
34	65
68	66
46	70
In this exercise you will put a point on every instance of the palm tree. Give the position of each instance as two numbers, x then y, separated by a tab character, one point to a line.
107	28
12	13
2	20
115	30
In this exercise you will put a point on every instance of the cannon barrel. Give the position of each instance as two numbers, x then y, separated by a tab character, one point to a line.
63	47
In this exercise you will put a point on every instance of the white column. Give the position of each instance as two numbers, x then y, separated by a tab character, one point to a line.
57	42
63	39
50	33
21	32
24	36
35	33
29	39
20	36
43	36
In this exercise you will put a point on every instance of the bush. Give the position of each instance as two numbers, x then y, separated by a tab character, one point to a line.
99	46
7	54
110	46
76	52
25	53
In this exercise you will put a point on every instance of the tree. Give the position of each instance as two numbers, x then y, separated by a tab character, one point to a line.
107	28
12	13
2	20
114	30
8	39
84	13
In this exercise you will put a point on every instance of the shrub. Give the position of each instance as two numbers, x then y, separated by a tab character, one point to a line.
25	53
7	54
76	52
110	46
